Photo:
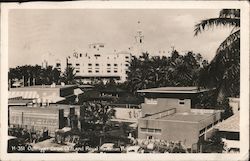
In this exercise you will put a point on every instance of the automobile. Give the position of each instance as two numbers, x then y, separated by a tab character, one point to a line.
134	149
109	148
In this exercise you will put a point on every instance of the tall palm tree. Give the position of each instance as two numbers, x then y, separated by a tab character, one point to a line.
69	75
223	72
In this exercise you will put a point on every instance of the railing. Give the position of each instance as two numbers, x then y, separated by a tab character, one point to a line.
162	114
204	111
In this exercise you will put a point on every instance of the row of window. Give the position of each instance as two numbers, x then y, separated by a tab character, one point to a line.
17	120
97	71
90	64
98	55
151	130
208	127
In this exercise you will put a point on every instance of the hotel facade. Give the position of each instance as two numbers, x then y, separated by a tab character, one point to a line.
96	63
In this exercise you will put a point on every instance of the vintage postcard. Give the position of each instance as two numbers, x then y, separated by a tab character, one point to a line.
125	80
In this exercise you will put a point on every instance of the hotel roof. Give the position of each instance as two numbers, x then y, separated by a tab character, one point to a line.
181	90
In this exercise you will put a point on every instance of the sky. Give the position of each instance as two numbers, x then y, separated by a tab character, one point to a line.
33	33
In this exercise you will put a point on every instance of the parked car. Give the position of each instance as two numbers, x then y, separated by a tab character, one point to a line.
109	148
134	149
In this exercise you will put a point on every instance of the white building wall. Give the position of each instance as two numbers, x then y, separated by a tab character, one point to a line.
96	63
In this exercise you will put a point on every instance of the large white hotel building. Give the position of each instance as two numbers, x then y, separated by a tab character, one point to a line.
97	63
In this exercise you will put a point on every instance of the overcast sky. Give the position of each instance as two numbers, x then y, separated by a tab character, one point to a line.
34	33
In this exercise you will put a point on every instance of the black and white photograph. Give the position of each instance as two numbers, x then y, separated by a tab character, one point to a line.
134	80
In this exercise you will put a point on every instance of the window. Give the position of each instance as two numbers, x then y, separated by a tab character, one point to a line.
77	64
209	126
158	131
89	64
181	101
80	54
58	64
115	71
115	65
151	100
97	71
126	65
90	71
108	65
69	64
126	57
77	71
108	71
202	131
97	65
151	130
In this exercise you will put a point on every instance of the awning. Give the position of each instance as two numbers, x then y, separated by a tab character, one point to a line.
134	125
23	94
78	91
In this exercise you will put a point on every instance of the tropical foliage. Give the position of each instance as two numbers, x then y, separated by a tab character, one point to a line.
34	75
95	112
223	72
69	75
175	70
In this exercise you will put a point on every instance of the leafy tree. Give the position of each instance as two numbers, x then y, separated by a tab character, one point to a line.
223	72
94	113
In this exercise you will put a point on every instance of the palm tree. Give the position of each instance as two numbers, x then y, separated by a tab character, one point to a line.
223	72
69	75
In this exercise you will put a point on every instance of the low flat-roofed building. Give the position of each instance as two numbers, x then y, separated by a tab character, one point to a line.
48	118
167	114
229	131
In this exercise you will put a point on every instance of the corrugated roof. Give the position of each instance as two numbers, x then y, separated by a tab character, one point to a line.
232	124
23	94
173	90
18	102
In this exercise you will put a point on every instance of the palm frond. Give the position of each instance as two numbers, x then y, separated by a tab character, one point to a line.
209	23
230	13
227	43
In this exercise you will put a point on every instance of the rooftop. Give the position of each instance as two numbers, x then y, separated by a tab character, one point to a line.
187	117
232	124
182	90
53	107
44	87
193	116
